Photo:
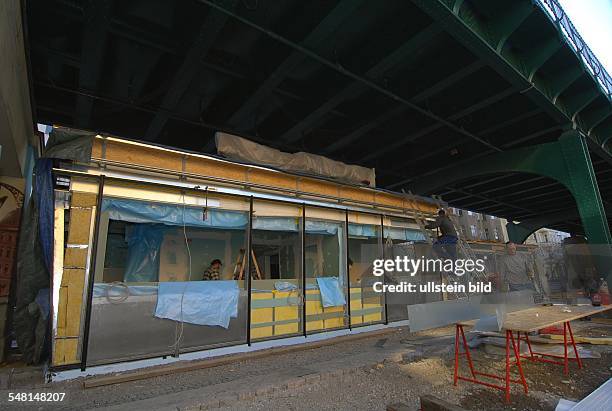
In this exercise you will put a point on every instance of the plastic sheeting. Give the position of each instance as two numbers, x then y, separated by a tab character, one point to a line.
144	244
30	325
363	230
44	203
331	292
119	291
238	148
146	212
198	302
68	144
404	234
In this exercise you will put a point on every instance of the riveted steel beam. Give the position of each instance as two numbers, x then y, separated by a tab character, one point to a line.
348	73
389	114
470	32
401	56
93	48
210	28
318	36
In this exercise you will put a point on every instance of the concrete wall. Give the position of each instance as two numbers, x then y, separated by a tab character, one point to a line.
16	125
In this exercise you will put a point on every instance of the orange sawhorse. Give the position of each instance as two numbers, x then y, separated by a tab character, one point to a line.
532	354
459	334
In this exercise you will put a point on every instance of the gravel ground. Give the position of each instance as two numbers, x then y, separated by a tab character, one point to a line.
375	388
368	388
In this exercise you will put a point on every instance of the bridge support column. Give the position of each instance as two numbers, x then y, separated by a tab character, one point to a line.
566	161
581	181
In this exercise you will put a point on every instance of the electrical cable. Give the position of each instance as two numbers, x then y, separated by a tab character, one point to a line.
179	336
121	298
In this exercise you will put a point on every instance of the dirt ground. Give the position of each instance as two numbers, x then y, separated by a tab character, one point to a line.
426	368
374	388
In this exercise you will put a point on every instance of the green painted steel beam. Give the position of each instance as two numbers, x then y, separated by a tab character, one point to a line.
575	104
540	55
595	117
508	23
582	182
518	233
566	161
558	83
472	33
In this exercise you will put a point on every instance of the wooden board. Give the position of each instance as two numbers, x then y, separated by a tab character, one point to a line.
536	318
132	153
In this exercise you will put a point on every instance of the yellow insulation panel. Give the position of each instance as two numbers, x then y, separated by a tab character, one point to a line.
131	153
291	312
80	221
65	351
75	257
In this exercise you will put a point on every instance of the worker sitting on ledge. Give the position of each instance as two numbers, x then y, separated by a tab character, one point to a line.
213	271
446	244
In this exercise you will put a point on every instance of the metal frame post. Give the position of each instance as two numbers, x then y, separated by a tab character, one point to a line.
348	274
382	255
248	269
91	274
303	270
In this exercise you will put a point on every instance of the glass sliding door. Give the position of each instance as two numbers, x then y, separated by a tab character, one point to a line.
164	276
325	270
276	270
402	238
364	246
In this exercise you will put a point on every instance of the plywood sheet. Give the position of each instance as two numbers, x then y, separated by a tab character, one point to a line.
214	168
273	179
537	318
310	185
364	195
143	155
150	156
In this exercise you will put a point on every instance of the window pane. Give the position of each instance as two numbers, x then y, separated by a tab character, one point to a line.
150	297
325	248
276	270
364	246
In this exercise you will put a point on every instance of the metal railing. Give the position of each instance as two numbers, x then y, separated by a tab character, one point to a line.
555	12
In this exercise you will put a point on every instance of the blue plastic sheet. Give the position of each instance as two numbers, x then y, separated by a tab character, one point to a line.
331	292
121	290
276	223
147	212
144	244
404	234
322	227
45	206
203	302
363	230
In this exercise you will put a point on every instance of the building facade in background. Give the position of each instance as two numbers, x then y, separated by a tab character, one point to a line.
479	227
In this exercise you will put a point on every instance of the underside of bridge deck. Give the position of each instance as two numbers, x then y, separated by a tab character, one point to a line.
409	87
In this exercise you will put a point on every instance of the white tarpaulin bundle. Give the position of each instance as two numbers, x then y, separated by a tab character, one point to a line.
240	149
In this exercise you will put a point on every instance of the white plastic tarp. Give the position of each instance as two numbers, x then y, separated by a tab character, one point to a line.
240	149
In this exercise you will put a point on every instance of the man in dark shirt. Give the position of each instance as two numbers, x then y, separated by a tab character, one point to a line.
446	244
